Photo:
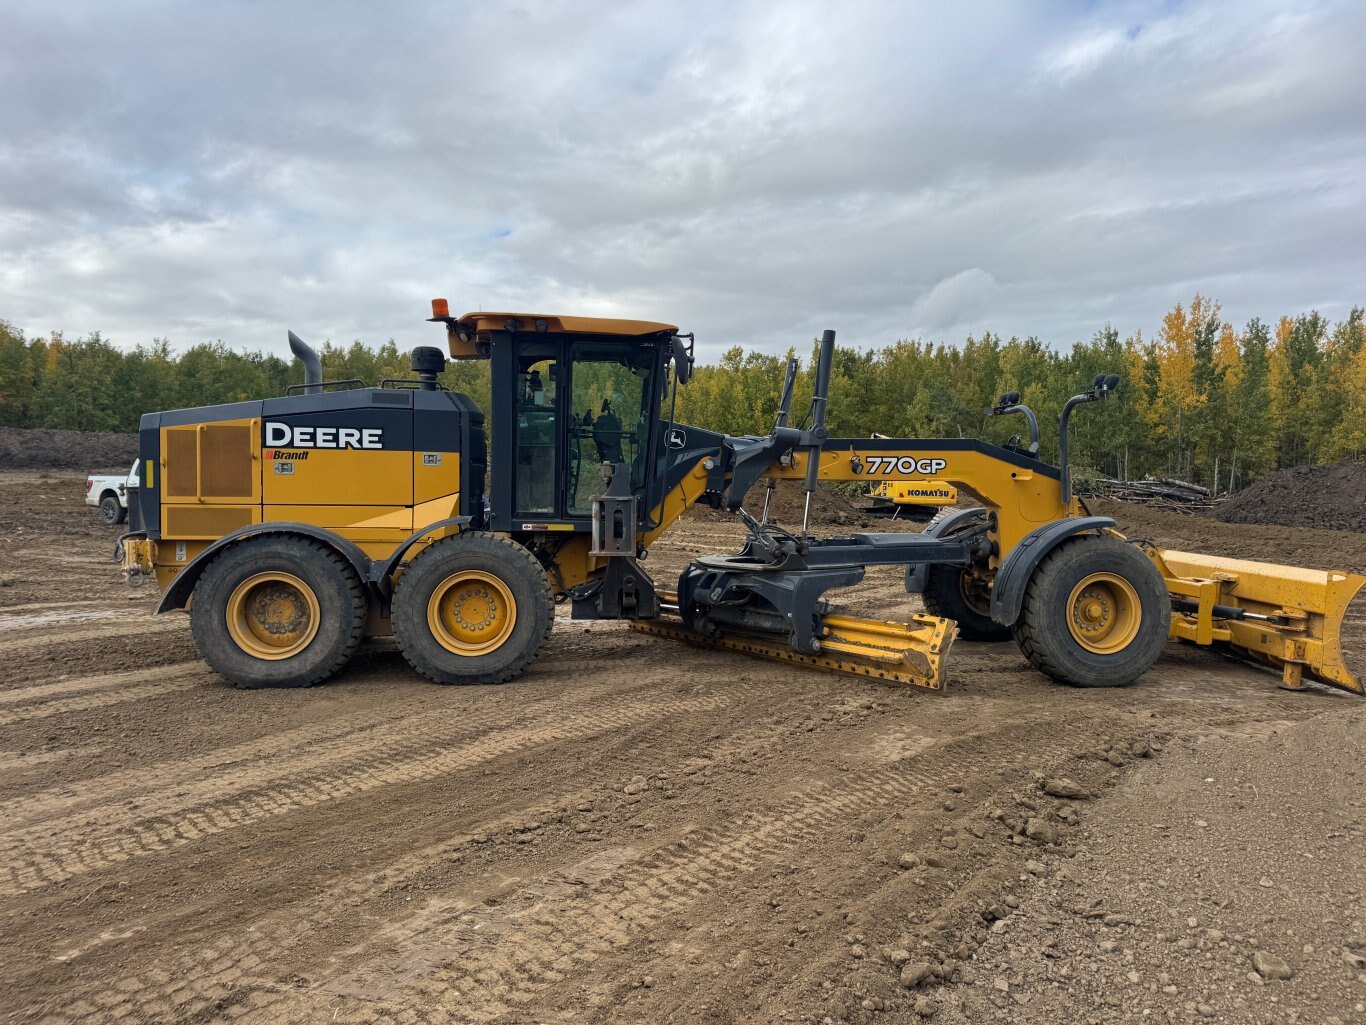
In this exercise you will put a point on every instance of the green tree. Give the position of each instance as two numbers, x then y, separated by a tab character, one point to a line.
1254	444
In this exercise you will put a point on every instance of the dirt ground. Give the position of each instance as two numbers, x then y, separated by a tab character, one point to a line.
639	831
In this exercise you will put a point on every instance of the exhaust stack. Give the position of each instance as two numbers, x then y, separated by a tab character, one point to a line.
313	366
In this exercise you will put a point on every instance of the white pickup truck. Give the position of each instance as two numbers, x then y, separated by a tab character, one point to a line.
110	493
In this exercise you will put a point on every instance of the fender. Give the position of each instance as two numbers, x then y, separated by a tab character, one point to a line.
380	572
917	575
1008	590
375	573
179	591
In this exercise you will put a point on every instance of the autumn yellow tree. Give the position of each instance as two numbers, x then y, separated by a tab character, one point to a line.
1349	434
1186	377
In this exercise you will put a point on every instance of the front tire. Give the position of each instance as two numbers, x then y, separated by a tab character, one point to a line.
111	512
955	594
472	608
278	611
1096	613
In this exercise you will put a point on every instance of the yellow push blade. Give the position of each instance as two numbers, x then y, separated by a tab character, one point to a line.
1291	617
913	652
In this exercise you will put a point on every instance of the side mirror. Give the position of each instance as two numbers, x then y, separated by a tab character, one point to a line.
683	360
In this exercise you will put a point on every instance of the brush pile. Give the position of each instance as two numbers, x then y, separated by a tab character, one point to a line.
1166	493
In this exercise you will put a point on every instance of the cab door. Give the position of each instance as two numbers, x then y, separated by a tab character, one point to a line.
611	388
527	449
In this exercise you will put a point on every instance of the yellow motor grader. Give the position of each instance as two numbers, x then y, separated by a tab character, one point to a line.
291	528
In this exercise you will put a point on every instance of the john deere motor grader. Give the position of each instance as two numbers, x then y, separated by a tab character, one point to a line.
293	527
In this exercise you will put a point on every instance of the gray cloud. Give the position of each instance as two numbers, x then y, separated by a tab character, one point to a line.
756	172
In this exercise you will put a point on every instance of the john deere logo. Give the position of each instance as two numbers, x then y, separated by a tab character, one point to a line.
287	436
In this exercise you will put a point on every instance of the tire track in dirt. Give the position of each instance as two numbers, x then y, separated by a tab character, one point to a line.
476	963
116	628
32	859
389	729
43	620
257	762
163	995
179	776
100	699
481	964
282	754
17	761
75	603
39	692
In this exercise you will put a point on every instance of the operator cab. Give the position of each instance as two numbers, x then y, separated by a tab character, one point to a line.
572	398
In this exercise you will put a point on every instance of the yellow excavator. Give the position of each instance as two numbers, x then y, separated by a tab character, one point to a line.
293	527
916	499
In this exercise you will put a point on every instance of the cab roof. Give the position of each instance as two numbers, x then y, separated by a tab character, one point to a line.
481	323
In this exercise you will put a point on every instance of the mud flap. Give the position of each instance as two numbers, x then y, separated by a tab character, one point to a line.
1286	617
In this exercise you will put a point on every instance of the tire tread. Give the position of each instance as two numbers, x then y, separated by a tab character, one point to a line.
508	548
1033	618
355	592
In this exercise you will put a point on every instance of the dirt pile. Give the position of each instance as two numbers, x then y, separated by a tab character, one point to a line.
828	508
789	499
1331	497
91	451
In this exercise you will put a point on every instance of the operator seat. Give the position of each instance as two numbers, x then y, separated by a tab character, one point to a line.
607	435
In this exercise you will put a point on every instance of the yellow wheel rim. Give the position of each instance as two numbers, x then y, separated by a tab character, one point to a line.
975	594
1104	613
272	615
471	612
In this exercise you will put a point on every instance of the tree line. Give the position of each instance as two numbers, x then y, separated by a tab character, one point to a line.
1203	401
92	385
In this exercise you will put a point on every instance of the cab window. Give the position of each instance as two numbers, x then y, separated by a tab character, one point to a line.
536	434
610	419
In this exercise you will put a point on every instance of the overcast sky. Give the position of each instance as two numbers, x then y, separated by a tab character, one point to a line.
754	171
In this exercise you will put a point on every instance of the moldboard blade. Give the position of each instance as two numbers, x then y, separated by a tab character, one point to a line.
912	653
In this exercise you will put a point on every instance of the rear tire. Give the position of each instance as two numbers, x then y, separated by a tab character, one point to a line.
472	608
1096	613
278	611
951	592
111	512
